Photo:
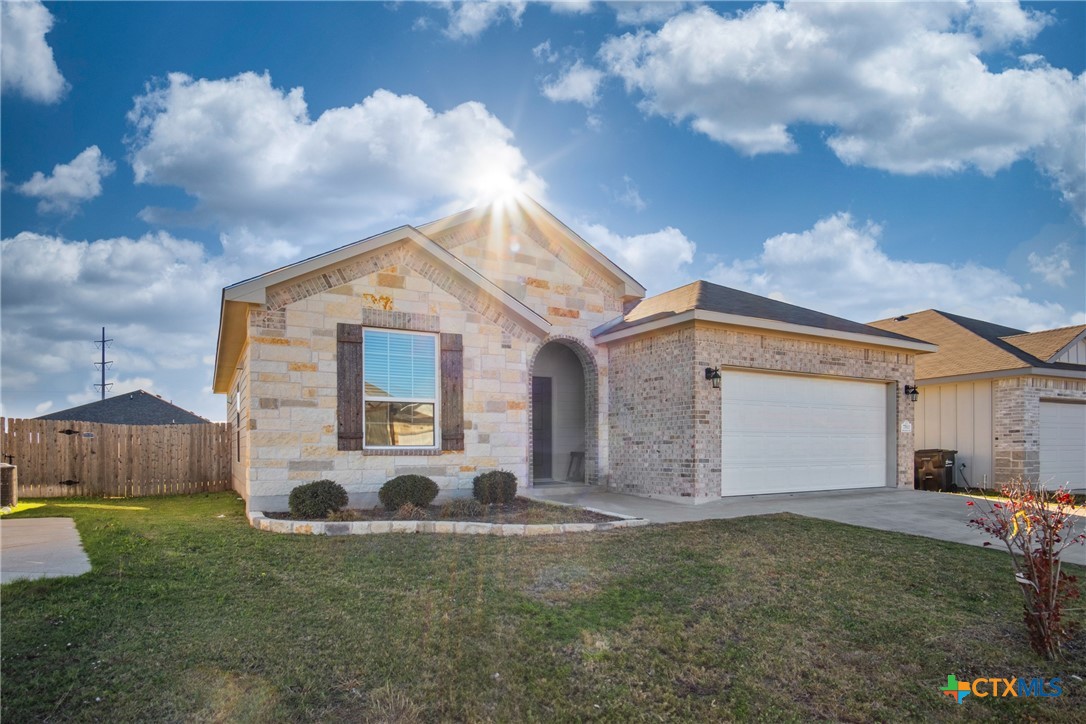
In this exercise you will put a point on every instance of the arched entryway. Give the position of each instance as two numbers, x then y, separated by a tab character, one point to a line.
563	414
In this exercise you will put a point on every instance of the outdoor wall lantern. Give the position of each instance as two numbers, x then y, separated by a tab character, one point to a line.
912	392
713	375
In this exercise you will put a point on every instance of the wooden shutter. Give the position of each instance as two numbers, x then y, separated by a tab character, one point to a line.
452	392
349	385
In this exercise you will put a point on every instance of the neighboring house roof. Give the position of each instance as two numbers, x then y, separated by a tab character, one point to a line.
710	302
1047	345
972	347
130	408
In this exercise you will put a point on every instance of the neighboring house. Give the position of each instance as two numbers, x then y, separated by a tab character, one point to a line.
498	338
1011	403
130	408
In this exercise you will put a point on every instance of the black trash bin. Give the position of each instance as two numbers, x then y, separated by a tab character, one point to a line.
933	469
9	485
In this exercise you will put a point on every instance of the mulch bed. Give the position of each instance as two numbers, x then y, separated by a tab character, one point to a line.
521	511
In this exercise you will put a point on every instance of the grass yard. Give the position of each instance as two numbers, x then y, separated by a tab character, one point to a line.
191	615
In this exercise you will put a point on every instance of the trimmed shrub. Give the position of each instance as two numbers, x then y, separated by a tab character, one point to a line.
317	499
460	508
494	486
416	489
410	511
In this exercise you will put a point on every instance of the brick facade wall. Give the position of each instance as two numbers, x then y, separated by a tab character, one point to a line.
666	418
652	415
1016	424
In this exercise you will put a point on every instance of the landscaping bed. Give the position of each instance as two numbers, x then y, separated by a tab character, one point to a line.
523	511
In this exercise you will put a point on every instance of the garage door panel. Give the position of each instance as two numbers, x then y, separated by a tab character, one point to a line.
790	433
1063	443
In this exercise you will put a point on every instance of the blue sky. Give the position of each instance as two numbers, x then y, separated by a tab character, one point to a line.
864	160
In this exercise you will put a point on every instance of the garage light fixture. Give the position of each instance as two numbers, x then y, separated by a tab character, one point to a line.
912	392
713	375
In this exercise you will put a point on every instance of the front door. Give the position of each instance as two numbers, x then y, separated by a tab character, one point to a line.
542	444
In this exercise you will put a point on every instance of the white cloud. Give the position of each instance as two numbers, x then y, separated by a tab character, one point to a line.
838	267
469	20
544	53
659	260
1001	24
158	297
70	184
1054	268
578	83
43	408
901	85
27	60
632	12
629	195
268	174
572	7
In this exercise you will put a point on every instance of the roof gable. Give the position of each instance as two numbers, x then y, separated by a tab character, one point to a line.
1048	344
130	408
522	214
277	288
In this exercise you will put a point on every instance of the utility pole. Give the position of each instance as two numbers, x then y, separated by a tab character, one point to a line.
104	364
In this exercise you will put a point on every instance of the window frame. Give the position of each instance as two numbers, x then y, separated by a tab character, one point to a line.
435	401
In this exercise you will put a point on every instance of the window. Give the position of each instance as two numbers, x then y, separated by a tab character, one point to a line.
402	400
399	389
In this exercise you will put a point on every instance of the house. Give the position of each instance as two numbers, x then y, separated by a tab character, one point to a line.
130	408
497	338
1013	404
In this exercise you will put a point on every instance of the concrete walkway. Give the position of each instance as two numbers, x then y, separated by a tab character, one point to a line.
932	515
40	548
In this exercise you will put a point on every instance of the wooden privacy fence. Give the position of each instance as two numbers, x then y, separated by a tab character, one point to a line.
58	458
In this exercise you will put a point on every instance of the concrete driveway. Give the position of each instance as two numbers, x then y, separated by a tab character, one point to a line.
932	515
40	548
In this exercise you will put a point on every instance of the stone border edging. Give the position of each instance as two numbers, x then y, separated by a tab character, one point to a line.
258	520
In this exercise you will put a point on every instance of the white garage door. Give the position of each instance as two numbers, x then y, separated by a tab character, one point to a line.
786	434
1063	444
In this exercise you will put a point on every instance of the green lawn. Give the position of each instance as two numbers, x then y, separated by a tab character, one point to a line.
191	615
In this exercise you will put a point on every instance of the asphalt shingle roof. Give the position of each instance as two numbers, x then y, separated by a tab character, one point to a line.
129	408
710	297
970	346
1043	345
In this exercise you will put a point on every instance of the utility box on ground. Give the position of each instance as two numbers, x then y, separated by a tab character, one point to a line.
934	469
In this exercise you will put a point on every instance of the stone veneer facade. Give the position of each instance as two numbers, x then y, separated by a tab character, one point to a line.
665	418
286	382
1016	425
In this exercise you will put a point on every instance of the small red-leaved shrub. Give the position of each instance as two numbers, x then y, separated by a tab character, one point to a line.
1036	526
